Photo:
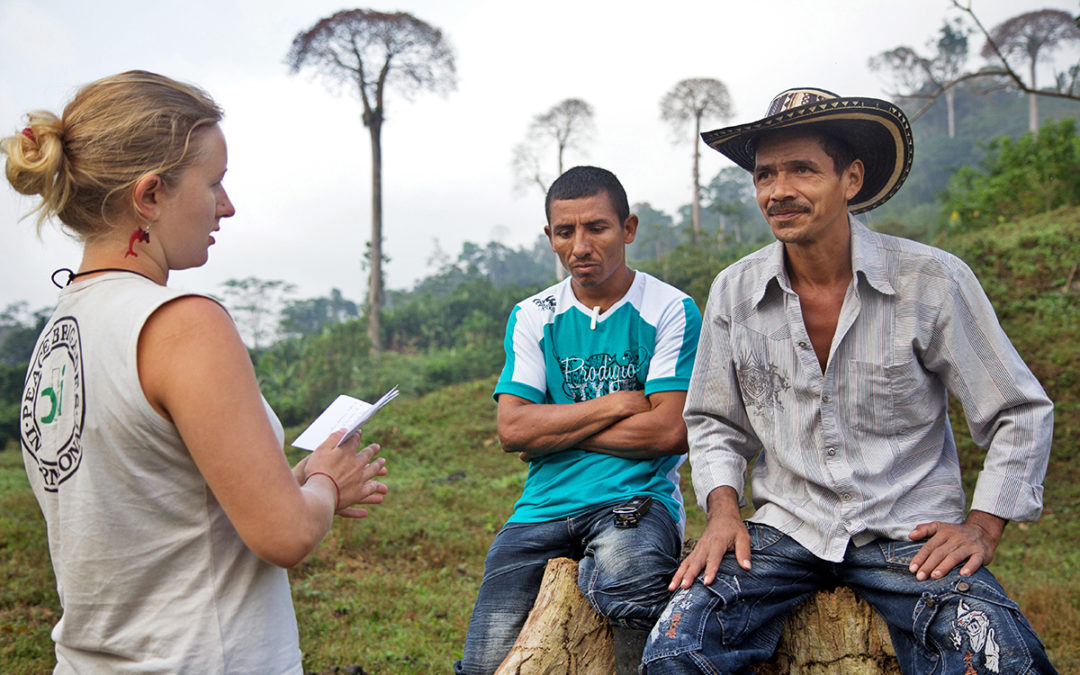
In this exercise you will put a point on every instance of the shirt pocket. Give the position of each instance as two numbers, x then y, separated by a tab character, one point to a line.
894	399
867	401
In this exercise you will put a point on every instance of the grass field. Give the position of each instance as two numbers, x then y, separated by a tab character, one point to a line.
393	593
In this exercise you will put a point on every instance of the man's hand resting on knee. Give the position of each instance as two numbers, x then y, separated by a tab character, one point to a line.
724	531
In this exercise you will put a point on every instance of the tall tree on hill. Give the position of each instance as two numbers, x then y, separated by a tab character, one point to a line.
567	125
695	99
916	76
1031	35
370	50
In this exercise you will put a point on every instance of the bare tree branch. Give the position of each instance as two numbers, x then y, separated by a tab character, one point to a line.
1030	33
1060	27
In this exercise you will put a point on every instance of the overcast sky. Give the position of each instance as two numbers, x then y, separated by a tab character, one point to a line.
299	158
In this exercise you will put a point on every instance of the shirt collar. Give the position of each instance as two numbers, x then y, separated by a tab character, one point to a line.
773	271
866	258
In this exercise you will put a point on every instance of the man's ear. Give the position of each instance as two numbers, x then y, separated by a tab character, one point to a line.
854	175
148	193
547	233
630	228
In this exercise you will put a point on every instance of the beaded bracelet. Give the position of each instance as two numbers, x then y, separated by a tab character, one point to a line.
337	504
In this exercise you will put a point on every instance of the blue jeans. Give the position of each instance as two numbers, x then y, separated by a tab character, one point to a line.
624	573
937	626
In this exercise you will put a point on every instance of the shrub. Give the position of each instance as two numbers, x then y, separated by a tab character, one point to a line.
1032	174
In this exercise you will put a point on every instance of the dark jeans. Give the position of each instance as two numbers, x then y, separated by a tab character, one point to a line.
624	573
937	626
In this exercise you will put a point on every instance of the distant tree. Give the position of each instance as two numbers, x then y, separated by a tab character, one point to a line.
255	304
656	234
1003	75
1031	35
695	100
310	316
501	265
19	330
505	266
567	125
730	195
369	51
915	75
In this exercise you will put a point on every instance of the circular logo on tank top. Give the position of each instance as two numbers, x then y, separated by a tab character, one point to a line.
52	410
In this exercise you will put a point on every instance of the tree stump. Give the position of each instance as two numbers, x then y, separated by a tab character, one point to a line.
832	632
562	635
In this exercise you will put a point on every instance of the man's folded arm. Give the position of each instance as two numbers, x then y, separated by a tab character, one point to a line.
656	432
541	428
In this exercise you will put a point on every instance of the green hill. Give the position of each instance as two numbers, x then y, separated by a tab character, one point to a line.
393	593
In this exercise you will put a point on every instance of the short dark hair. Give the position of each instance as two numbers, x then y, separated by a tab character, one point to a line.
586	181
838	150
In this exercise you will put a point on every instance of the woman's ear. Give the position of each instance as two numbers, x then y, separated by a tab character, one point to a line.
149	191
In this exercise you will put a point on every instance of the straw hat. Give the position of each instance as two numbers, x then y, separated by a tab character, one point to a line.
877	131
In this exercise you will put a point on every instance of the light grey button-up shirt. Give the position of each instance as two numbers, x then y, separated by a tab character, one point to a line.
863	450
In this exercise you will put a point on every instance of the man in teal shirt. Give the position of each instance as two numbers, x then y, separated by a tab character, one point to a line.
591	396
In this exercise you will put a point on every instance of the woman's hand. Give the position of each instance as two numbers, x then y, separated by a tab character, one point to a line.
352	472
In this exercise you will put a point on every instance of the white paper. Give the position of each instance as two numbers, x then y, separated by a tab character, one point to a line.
345	412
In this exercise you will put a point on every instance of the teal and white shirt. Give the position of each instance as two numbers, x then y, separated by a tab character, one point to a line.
556	353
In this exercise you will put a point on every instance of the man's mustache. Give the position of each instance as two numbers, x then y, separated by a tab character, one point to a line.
787	206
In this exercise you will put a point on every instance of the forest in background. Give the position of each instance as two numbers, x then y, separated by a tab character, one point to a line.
448	328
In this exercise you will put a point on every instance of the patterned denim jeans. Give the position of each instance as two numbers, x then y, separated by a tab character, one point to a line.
951	625
624	573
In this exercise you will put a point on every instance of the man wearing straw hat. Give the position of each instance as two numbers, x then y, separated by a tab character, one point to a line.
828	356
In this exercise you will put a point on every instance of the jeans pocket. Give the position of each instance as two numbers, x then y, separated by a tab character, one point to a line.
762	536
973	624
899	553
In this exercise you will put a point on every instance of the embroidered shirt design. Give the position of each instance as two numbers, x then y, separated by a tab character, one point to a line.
761	384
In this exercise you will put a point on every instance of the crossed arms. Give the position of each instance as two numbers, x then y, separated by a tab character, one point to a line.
623	423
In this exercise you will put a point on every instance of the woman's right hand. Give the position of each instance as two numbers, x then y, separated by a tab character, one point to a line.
352	471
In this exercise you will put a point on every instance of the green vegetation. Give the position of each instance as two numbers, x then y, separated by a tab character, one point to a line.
1031	174
1027	269
393	592
443	334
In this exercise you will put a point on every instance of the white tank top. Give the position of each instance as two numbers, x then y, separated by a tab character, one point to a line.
152	576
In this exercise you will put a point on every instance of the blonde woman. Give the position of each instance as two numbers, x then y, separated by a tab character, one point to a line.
170	507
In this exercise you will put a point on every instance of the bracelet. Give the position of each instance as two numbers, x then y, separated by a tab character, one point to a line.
337	504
